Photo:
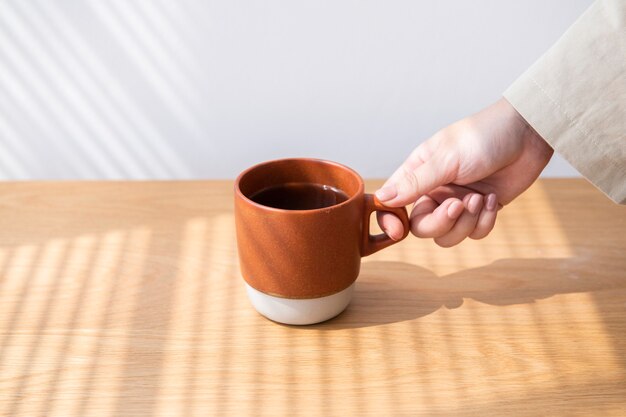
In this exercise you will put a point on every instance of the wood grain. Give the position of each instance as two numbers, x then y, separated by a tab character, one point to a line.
124	298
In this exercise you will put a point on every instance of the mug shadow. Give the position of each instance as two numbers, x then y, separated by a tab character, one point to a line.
390	292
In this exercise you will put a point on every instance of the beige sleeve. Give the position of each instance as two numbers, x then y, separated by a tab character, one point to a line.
574	96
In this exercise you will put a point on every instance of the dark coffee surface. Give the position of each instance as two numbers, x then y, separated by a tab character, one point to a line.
299	196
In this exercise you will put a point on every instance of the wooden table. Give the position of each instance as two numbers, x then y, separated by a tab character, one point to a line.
124	298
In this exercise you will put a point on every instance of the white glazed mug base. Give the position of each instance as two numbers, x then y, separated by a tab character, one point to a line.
299	311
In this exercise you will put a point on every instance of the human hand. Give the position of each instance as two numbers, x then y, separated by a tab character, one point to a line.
461	176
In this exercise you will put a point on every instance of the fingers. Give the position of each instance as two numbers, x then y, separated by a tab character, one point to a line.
465	224
421	173
487	218
412	183
449	215
429	220
390	224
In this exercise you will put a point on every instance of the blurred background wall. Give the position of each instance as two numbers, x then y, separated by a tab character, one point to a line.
203	89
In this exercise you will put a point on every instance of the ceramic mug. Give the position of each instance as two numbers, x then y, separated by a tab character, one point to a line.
300	265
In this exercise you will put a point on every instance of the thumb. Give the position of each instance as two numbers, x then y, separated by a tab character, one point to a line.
408	184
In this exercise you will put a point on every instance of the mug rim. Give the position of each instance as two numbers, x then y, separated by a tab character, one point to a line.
240	194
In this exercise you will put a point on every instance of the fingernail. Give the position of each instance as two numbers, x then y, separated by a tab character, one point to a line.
475	203
492	202
387	193
391	236
455	209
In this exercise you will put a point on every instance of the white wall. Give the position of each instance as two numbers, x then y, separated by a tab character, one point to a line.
197	89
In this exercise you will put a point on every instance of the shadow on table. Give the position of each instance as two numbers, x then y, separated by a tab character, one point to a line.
389	292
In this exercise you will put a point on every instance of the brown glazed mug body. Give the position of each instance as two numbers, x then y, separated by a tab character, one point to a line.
298	259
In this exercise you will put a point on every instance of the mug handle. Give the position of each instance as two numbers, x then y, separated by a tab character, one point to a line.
374	243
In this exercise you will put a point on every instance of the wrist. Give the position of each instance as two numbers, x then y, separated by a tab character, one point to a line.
526	133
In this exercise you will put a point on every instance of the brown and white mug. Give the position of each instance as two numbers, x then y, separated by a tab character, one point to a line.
299	266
